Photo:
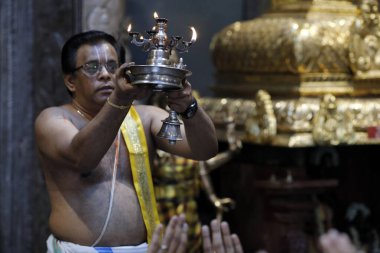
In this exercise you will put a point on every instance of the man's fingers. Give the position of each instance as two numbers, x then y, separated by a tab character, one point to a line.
228	244
183	239
237	244
185	91
154	245
207	246
335	242
169	233
217	240
121	71
186	84
175	240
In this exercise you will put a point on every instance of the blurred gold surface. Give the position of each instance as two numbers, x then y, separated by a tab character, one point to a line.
305	73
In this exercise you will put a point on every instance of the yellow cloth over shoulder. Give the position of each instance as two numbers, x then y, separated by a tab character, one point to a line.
134	136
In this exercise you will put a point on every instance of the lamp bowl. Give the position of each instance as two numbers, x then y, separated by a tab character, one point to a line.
159	77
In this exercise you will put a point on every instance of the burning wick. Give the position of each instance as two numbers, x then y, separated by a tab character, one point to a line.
129	31
194	35
152	32
158	19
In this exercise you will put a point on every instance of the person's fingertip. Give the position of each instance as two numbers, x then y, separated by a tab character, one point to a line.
205	230
215	225
224	225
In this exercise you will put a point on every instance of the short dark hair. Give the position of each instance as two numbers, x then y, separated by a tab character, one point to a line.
70	48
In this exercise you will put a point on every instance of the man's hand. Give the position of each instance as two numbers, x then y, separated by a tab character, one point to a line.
124	90
179	100
220	240
175	237
335	242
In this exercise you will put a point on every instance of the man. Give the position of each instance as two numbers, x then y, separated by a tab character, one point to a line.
96	151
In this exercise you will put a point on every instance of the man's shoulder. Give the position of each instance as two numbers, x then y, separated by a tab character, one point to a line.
150	113
54	111
147	109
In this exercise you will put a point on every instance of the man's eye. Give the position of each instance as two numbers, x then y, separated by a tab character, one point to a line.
92	66
111	66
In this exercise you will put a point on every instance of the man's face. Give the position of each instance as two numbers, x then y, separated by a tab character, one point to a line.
93	87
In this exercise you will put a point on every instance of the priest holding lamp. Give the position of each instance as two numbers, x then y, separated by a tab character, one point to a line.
97	151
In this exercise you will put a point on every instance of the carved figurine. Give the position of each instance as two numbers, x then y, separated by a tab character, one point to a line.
331	126
364	53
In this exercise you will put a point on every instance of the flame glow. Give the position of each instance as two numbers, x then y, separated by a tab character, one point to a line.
155	15
194	35
129	28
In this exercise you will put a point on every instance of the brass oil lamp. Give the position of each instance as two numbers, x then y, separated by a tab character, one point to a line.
161	72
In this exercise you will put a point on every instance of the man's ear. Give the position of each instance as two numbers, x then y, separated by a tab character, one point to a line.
70	82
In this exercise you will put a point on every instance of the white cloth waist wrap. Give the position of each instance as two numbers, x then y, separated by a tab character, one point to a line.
56	246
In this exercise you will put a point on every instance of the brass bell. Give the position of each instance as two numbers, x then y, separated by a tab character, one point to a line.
170	129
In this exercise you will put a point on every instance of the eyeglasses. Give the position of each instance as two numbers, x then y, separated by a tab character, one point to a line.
94	67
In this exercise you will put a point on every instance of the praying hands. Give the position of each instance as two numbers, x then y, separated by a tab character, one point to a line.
220	240
175	237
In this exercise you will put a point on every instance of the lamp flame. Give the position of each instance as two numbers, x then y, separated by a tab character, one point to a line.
194	34
155	15
129	28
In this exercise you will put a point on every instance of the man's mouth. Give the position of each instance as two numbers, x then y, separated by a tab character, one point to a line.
106	88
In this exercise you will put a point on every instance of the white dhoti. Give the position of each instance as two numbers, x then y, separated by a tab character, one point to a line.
57	246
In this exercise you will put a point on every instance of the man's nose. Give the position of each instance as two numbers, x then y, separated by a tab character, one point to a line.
103	72
103	68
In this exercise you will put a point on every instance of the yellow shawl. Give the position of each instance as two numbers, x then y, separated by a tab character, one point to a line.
134	136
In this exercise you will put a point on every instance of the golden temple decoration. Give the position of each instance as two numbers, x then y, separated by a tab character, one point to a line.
261	128
364	48
254	120
299	122
332	126
305	73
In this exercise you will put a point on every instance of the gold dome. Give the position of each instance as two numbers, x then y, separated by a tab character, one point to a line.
301	48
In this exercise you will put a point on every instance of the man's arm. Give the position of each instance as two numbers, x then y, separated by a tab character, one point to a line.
199	136
82	149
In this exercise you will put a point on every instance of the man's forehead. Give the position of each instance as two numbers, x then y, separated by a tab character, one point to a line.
98	51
